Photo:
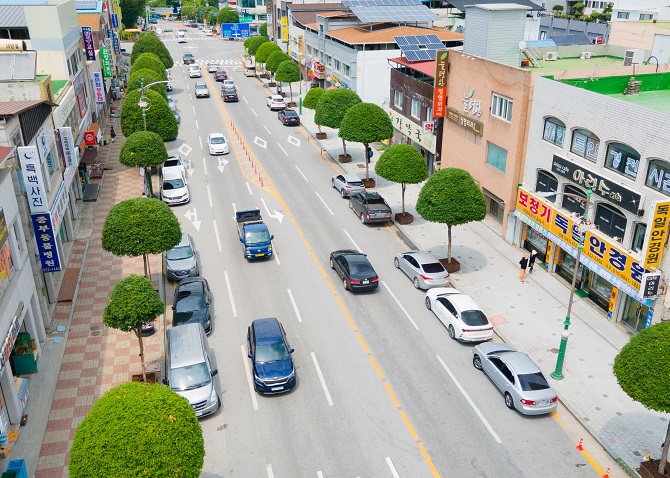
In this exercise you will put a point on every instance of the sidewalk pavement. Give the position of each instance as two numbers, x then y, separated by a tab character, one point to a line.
91	358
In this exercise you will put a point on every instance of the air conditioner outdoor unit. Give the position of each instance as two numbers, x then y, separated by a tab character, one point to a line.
551	56
633	57
586	55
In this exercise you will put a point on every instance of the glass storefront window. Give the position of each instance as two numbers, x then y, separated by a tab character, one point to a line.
658	176
610	221
585	144
573	204
634	314
546	182
638	237
622	159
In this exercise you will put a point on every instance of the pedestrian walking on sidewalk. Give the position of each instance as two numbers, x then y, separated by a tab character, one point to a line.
524	264
113	134
531	261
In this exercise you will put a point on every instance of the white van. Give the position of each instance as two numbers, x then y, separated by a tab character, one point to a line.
189	371
181	37
249	70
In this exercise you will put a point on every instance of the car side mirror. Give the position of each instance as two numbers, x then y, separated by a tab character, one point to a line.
251	356
173	307
291	351
241	239
272	237
215	372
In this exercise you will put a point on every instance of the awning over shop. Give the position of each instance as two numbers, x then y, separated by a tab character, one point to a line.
90	156
95	127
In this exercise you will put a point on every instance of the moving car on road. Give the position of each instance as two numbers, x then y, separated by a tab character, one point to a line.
227	83
188	58
212	66
275	102
217	144
289	117
182	260
354	269
192	299
370	207
460	314
270	354
201	90
229	94
517	377
347	184
423	268
194	71
221	74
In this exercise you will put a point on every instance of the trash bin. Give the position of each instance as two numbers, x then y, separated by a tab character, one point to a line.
18	467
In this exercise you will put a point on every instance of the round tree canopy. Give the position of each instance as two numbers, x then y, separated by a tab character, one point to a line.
256	43
275	59
143	148
333	105
228	15
451	196
133	303
288	72
312	97
365	123
152	44
151	61
403	164
140	226
160	118
265	50
642	367
248	41
263	29
145	77
138	429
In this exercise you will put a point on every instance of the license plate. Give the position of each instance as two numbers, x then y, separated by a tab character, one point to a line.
260	255
274	389
366	282
543	402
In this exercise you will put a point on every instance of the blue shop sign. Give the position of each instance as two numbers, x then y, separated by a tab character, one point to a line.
46	242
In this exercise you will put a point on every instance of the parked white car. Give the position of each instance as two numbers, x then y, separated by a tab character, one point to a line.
174	189
275	102
460	314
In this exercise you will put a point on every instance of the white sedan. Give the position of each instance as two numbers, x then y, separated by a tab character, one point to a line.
275	102
460	314
217	144
194	71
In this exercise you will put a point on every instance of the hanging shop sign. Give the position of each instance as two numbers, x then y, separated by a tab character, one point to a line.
440	85
650	284
89	138
31	170
45	237
12	333
657	232
117	44
475	126
600	254
284	29
413	131
89	44
603	187
60	205
115	20
68	150
98	88
106	60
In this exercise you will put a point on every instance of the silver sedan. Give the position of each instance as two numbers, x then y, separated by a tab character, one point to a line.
517	377
423	268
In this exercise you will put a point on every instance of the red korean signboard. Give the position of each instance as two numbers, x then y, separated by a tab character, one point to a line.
440	85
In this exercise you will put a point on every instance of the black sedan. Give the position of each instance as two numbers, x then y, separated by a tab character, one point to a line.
188	59
354	269
229	94
288	117
191	303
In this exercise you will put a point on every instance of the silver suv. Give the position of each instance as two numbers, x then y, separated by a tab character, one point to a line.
182	260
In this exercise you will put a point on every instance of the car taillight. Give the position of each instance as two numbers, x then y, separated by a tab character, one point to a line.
354	281
367	216
374	279
528	402
553	400
424	277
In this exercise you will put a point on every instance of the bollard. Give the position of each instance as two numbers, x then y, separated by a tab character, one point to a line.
607	473
580	447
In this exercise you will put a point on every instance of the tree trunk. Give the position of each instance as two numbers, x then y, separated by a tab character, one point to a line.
146	266
147	175
367	162
138	332
664	453
403	198
290	88
449	243
344	145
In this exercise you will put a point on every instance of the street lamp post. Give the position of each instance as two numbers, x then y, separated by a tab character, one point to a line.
558	372
143	103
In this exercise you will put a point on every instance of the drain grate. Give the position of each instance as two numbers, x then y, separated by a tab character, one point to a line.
95	330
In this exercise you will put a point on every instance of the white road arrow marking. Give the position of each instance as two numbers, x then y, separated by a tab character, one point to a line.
185	149
222	164
188	165
277	215
293	140
192	216
261	142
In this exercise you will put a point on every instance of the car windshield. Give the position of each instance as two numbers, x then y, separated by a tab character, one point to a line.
178	253
291	113
190	302
200	87
218	140
190	377
433	268
257	237
474	317
271	352
533	381
169	184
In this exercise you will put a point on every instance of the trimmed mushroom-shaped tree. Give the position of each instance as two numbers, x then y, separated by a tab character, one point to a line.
312	98
146	76
150	61
366	123
228	15
247	43
403	164
332	107
256	43
143	149
642	370
152	44
451	197
138	227
288	72
133	303
160	118
265	50
275	59
136	429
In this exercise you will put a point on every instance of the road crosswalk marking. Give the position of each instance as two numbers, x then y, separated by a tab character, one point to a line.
218	62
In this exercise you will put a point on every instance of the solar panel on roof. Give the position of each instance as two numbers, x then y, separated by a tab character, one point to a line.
423	55
401	41
403	13
411	55
571	39
433	38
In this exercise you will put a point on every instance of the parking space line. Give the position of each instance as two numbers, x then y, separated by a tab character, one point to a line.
301	173
352	240
393	470
266	129
324	203
283	150
322	380
472	404
230	294
245	359
295	306
400	305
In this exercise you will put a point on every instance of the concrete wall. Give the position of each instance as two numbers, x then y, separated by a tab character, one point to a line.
373	75
639	35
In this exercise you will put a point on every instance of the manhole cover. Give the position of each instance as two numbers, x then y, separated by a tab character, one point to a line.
58	340
60	328
95	330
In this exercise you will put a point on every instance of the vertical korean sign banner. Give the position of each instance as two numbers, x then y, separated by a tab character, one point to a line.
46	242
67	147
106	60
31	170
115	20
284	29
657	232
89	45
440	85
98	88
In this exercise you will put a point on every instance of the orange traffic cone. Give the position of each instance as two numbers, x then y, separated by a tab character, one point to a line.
579	446
607	474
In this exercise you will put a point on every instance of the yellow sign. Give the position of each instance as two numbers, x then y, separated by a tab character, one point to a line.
284	29
602	255
657	233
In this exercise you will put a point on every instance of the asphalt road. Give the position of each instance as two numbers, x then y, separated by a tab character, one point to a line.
382	390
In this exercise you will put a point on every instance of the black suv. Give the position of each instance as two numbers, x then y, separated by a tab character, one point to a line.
270	356
370	207
188	58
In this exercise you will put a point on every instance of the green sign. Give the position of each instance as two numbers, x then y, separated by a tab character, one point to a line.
246	18
106	60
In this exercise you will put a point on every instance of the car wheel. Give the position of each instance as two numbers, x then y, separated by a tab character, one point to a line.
332	264
332	183
417	285
428	304
345	284
452	332
396	263
342	193
363	218
509	401
477	362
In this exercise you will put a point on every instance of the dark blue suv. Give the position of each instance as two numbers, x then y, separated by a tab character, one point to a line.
270	356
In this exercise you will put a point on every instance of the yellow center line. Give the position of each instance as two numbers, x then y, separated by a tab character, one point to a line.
239	143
